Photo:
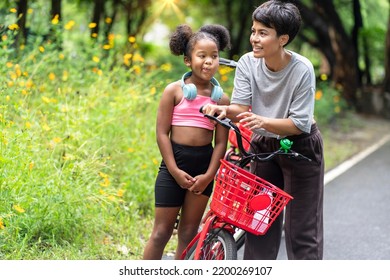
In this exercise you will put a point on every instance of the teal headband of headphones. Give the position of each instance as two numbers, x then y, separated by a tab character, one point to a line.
190	91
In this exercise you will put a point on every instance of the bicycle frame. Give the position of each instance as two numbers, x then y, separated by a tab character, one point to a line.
211	221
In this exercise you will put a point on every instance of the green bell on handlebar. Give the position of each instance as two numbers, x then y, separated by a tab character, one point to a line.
285	144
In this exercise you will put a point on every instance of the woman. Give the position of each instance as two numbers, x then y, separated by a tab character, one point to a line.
279	86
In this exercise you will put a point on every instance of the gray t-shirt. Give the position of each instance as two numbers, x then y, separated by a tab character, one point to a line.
288	93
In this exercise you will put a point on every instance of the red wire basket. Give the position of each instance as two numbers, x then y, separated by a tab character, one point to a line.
245	200
245	132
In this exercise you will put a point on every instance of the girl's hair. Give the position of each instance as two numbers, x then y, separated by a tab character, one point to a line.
183	40
284	17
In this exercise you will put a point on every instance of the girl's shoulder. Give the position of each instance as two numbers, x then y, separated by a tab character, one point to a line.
173	88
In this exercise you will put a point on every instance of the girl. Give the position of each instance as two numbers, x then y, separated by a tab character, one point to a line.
184	136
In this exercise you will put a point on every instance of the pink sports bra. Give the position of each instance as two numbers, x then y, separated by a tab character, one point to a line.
186	113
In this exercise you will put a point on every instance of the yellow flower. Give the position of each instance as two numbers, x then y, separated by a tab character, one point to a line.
52	76
137	69
41	49
29	84
126	59
132	39
105	183
130	150
28	125
155	161
31	165
318	94
45	99
13	26
65	75
120	192
92	25
95	59
55	20
45	127
103	175
1	223
153	90
324	77
9	64
13	10
166	67
138	57
69	25
19	209
108	20
57	139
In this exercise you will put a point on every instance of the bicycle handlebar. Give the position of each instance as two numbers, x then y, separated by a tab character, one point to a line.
227	62
285	143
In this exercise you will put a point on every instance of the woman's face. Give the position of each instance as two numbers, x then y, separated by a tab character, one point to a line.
264	41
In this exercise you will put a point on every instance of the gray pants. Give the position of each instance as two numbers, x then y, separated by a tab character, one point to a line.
303	180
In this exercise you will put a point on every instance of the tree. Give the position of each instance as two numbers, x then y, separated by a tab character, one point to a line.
386	84
21	14
333	41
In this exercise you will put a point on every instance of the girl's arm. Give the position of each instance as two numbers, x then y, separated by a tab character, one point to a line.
163	129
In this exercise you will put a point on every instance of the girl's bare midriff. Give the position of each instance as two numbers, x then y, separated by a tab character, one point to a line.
191	136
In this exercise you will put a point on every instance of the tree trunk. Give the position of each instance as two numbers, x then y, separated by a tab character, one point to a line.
98	11
334	42
386	82
55	36
21	37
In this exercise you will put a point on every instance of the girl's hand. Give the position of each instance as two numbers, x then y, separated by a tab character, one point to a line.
200	185
184	180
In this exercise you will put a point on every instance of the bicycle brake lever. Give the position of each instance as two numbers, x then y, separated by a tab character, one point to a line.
298	155
226	122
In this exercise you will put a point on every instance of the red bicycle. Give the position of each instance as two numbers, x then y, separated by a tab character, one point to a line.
241	202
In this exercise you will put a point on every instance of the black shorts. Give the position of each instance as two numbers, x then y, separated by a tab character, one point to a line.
194	161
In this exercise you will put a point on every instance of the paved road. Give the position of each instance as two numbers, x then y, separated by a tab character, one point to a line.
357	210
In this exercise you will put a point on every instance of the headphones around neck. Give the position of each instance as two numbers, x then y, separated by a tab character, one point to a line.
190	91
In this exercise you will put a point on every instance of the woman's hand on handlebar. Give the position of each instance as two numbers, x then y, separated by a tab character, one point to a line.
215	110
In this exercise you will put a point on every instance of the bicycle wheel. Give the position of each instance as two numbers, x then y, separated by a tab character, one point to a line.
219	245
